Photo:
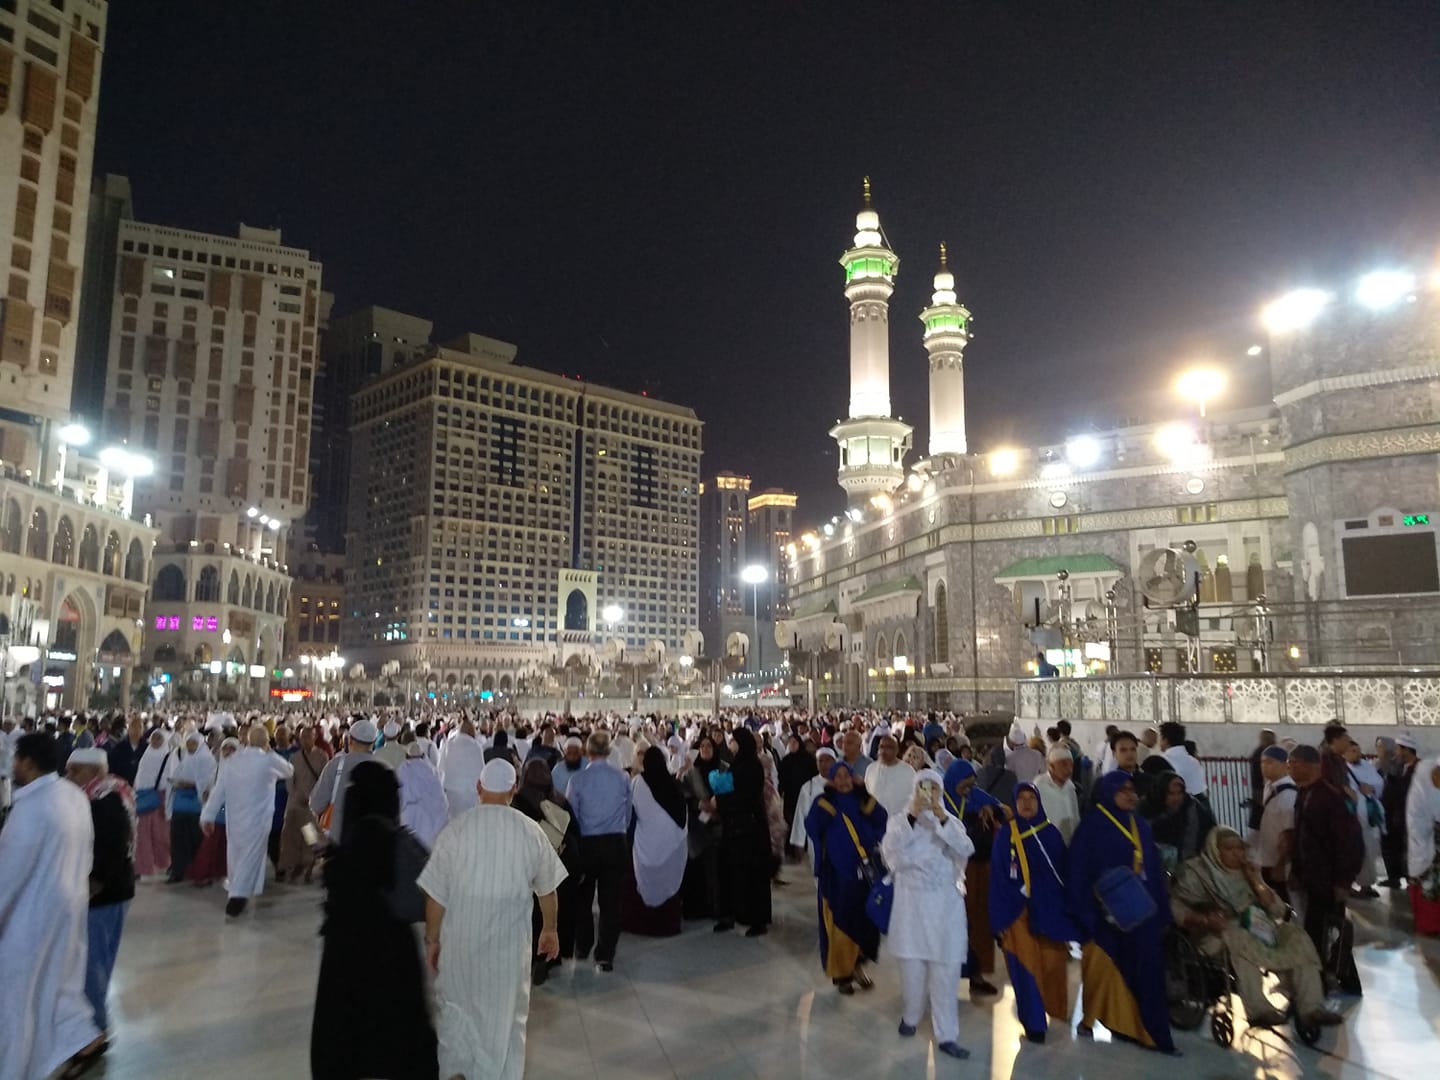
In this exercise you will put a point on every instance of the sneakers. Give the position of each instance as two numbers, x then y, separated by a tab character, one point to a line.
953	1049
906	1030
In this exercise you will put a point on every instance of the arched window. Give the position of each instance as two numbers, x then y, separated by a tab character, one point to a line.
902	645
207	588
11	529
135	562
232	591
942	626
247	597
270	598
63	551
110	563
38	543
165	654
577	611
169	585
882	650
90	549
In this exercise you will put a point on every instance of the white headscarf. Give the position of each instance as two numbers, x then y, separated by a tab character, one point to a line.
147	775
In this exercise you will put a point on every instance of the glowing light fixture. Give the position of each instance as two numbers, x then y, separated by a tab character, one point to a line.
1295	310
1178	442
612	613
1254	350
1004	462
1201	385
1083	451
1381	290
74	434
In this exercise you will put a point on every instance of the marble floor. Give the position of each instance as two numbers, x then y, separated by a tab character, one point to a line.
194	996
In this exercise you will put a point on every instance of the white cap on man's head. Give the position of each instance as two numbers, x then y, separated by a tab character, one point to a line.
89	755
1406	740
498	776
392	730
364	731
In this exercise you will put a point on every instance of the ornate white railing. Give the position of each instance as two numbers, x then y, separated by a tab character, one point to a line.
1381	698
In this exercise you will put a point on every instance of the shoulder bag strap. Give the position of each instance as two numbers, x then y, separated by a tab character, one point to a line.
850	827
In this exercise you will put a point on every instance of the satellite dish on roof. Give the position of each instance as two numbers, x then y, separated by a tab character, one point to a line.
1166	577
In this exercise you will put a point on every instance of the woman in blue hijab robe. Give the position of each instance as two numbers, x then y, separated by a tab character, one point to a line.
845	826
979	812
1122	971
1028	866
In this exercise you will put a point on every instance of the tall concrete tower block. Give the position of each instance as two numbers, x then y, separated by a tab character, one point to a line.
947	332
872	443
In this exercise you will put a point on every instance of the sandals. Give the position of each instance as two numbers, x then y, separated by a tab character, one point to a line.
862	979
84	1061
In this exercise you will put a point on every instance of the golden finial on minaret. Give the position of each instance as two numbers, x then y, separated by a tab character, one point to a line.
942	255
867	193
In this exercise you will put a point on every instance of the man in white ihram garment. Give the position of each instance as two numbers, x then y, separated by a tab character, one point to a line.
486	865
46	849
246	788
460	769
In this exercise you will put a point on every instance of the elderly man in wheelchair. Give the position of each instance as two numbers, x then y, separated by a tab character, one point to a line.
1229	913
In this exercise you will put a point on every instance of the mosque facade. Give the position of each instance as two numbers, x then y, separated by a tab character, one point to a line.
1303	530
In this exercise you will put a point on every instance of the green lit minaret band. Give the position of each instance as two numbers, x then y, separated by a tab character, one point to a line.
869	267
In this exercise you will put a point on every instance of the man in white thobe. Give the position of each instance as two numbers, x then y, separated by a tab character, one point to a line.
1057	791
889	779
460	769
486	866
246	789
814	787
46	850
423	809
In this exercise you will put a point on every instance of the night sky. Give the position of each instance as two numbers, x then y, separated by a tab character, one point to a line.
655	195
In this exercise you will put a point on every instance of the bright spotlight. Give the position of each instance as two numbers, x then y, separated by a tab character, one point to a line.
74	434
1004	462
855	514
1083	451
1295	310
140	465
1254	350
1200	385
612	613
754	574
274	524
1178	442
914	482
254	511
1381	290
828	530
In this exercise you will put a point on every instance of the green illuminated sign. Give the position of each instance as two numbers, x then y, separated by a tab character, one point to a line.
945	322
869	268
1415	519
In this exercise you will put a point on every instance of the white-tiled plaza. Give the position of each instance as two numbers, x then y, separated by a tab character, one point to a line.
197	997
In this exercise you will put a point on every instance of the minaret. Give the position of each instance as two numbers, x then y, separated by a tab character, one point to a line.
872	443
947	332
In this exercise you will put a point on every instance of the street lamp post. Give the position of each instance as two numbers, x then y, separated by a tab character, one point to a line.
1201	385
755	575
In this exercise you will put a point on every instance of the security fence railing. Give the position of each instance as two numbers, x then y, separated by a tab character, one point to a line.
1384	698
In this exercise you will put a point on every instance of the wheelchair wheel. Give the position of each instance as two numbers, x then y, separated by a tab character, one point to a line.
1186	977
1222	1028
1308	1033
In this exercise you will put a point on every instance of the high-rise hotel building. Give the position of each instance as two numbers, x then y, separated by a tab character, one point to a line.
498	514
73	558
211	374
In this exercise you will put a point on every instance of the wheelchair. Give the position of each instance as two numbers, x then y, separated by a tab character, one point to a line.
1197	985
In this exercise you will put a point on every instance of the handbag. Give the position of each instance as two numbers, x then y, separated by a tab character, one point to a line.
147	800
881	898
328	814
721	782
553	823
1123	897
404	899
186	801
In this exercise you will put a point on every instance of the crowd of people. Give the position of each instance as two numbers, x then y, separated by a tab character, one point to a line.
470	854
